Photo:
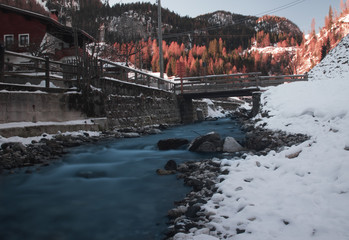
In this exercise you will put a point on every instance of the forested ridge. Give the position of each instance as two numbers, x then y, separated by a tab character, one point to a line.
215	43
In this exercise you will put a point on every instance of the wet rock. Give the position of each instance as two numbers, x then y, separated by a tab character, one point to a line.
177	212
192	211
13	147
173	143
195	183
231	145
210	142
131	135
171	165
207	147
163	172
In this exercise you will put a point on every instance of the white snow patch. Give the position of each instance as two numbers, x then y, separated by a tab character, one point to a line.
28	140
212	110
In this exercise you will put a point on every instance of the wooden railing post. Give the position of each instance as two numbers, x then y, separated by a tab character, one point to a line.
257	81
47	72
2	63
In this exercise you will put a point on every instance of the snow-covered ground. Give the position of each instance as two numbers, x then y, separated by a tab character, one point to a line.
301	192
28	140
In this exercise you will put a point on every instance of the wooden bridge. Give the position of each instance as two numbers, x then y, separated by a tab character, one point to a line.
23	72
229	85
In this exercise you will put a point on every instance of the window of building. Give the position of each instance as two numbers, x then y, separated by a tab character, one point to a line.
9	40
23	40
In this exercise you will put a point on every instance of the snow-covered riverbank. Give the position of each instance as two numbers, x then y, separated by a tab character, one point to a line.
300	192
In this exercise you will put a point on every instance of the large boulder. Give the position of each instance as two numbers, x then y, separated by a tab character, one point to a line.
173	143
231	145
210	142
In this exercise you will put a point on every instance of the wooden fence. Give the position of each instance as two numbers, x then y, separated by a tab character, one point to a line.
18	69
29	72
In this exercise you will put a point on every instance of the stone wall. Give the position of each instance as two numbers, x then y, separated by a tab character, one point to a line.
122	104
39	107
130	105
203	106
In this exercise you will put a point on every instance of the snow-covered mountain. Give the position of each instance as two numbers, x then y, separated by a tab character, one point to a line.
312	47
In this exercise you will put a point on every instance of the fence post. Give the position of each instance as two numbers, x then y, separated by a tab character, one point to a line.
2	62
101	68
47	72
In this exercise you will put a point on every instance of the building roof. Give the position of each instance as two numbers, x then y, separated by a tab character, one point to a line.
54	27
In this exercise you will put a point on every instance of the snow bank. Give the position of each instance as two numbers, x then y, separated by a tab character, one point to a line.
301	192
282	197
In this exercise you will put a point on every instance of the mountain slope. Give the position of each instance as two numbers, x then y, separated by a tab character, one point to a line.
316	46
335	64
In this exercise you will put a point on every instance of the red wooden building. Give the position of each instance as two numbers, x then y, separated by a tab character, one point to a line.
26	31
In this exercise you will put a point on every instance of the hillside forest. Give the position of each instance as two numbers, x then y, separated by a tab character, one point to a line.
214	43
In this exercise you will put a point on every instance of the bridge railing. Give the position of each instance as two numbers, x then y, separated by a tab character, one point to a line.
277	80
23	72
115	71
228	82
215	83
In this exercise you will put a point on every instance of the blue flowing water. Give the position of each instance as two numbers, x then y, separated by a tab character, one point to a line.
103	191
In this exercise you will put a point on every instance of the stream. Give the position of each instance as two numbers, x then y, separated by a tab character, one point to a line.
102	191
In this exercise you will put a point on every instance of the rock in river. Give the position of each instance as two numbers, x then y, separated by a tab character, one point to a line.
173	143
210	142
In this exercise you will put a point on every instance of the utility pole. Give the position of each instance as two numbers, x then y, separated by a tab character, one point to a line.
161	58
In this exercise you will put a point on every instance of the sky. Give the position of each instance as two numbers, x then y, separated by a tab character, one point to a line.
300	12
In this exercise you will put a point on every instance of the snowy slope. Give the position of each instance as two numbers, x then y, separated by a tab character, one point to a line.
336	63
304	197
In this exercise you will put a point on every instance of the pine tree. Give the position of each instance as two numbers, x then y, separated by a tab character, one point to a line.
329	19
